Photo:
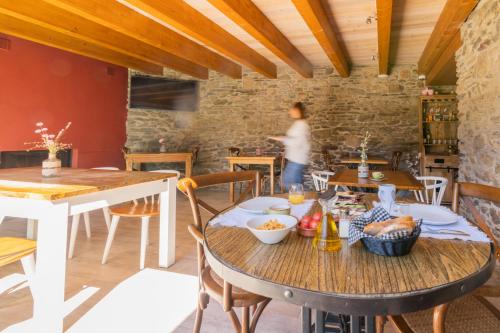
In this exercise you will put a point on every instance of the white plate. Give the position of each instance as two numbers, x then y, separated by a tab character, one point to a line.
432	215
260	205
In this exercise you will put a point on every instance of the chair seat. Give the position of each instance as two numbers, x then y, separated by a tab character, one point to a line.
13	249
466	314
214	287
136	210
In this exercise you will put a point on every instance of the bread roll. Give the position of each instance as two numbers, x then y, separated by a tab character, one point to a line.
393	225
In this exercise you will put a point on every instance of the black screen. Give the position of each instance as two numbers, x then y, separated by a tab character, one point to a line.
163	94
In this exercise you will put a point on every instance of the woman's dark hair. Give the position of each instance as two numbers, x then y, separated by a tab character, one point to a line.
301	107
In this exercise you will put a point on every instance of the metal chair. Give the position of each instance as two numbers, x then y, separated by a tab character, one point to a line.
471	313
434	190
211	285
86	217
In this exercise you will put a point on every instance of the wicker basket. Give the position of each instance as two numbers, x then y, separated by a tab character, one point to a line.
393	247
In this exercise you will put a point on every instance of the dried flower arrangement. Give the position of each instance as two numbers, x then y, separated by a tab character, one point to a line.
48	141
364	147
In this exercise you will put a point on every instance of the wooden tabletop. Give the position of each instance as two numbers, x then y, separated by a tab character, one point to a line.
251	159
351	279
402	179
357	160
29	183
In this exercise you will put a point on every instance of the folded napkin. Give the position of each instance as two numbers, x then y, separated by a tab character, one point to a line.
377	214
237	217
475	234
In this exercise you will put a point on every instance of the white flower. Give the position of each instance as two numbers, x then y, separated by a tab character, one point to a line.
38	131
51	136
39	124
45	129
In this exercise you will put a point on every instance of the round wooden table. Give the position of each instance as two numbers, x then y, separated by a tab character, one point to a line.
351	281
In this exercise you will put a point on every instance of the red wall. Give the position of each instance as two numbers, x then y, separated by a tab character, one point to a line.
40	83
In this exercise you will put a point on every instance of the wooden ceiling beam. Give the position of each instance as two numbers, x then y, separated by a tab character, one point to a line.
249	17
384	18
185	18
124	20
317	19
445	57
53	18
26	30
454	13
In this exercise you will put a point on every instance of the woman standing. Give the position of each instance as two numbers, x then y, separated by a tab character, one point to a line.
297	146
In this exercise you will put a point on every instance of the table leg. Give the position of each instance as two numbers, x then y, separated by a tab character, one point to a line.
369	324
31	229
306	320
128	164
50	275
167	224
231	184
271	175
320	322
189	165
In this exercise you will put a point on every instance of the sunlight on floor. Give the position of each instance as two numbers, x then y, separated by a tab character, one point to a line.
149	301
11	281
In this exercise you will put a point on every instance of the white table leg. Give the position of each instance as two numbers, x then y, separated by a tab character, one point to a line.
167	224
31	229
50	275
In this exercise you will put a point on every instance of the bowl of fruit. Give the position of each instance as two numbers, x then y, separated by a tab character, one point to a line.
308	224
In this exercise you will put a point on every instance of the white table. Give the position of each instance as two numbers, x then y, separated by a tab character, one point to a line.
25	194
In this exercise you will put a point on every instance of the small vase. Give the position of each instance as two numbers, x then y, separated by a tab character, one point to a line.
51	167
363	170
163	148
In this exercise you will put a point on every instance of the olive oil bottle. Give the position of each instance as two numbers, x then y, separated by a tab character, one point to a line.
327	236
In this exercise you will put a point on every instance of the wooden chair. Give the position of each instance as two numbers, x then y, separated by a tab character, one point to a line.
320	179
278	173
395	160
13	249
144	209
471	313
86	217
434	190
210	284
330	160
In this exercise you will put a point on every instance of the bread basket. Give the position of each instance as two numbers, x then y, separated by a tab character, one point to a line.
391	247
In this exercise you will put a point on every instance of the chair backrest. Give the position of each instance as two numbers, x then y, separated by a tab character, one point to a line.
396	158
195	151
234	151
434	189
251	177
466	191
106	168
320	179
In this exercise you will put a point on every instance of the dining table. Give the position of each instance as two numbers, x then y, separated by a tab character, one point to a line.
403	180
140	158
351	281
24	193
269	160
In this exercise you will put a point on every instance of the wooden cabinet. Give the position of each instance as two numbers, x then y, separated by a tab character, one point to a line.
438	123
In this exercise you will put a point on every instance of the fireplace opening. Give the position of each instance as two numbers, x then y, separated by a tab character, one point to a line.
23	158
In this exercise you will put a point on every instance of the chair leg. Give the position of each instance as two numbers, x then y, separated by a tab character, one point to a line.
438	318
31	229
28	263
144	239
379	324
234	320
73	234
86	217
107	216
199	317
257	313
111	236
245	320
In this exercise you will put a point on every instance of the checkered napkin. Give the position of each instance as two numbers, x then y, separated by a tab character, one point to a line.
377	214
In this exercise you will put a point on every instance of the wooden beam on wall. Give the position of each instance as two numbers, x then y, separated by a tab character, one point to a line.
122	19
22	29
248	16
384	18
444	59
185	18
454	13
53	18
317	19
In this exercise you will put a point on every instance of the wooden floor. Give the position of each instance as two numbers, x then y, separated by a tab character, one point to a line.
85	269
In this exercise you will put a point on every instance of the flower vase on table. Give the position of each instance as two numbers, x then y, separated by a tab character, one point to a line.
51	167
163	145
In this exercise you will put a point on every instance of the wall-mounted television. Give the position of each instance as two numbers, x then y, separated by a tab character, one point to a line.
163	94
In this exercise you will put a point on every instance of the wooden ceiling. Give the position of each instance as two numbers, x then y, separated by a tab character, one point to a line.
195	36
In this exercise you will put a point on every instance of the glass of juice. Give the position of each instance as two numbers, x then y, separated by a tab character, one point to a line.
296	194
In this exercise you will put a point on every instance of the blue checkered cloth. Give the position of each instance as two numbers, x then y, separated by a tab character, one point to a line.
377	214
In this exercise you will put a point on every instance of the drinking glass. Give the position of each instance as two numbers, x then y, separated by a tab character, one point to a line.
296	194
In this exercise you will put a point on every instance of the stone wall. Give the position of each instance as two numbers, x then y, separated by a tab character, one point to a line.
478	90
244	112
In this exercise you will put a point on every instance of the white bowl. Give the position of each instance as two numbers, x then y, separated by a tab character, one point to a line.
271	236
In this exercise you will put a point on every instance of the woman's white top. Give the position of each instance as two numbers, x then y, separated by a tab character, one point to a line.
298	142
